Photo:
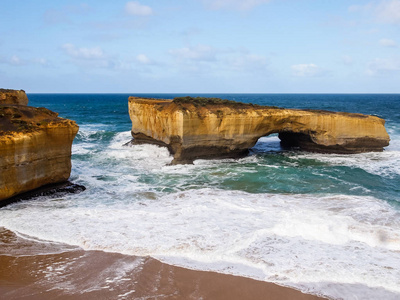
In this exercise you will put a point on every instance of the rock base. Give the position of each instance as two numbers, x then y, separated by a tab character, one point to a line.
51	190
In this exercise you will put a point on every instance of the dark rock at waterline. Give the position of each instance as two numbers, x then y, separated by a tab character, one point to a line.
50	190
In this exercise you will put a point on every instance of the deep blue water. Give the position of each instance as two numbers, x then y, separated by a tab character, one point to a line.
113	108
290	174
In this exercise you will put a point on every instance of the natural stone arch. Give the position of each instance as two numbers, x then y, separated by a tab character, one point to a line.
218	130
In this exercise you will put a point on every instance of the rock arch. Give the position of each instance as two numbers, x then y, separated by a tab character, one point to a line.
192	131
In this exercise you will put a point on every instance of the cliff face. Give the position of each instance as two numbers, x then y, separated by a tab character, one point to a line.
35	148
216	131
13	97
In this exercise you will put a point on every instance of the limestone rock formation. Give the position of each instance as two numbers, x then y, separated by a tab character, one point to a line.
217	129
35	148
13	97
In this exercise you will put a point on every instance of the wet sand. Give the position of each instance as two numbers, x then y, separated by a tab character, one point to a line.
33	270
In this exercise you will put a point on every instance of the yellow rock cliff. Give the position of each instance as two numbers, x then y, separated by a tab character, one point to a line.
35	148
216	130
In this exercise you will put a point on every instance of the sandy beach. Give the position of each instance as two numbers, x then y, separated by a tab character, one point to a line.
32	270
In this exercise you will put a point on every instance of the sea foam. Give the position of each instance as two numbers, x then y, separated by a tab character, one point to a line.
339	245
294	240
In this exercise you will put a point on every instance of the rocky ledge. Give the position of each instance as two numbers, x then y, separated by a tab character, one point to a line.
35	148
13	97
194	128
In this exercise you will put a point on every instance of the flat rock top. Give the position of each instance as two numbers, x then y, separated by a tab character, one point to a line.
12	97
23	119
202	104
183	102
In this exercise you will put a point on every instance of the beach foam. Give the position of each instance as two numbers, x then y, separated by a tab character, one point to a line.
295	240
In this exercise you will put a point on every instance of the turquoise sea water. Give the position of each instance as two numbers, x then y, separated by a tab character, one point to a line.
327	224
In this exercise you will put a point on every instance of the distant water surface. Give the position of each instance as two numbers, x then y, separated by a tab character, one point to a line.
325	224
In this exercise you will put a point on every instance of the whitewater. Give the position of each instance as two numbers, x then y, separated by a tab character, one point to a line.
324	224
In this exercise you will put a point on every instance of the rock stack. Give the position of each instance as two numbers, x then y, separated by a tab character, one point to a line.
35	145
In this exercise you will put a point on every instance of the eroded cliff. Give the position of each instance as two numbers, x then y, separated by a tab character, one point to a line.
218	129
13	97
35	148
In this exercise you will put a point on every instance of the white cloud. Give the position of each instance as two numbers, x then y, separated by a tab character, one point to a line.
347	60
89	57
384	11
136	9
387	43
249	62
307	70
355	8
16	61
196	53
143	59
96	58
389	11
83	53
233	4
383	66
360	8
42	62
205	59
54	16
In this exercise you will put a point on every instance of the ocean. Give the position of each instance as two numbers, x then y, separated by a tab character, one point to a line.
325	224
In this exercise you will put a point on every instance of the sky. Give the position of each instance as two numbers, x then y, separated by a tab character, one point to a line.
200	46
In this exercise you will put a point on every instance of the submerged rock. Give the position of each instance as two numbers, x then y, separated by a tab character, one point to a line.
35	148
194	128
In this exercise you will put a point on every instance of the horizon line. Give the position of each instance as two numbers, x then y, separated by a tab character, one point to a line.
230	93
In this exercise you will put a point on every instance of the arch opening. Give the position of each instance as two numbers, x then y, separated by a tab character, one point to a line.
267	144
283	141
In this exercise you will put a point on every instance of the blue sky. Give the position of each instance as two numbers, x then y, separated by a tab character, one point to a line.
200	46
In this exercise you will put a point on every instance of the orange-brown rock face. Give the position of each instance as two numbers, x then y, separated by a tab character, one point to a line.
35	148
13	97
215	131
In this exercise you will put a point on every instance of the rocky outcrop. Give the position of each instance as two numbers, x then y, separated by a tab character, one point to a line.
217	129
13	97
35	148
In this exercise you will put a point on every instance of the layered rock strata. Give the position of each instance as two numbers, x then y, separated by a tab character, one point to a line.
35	148
214	130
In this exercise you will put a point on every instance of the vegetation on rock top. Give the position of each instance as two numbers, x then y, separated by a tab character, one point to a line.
9	90
208	101
204	101
24	119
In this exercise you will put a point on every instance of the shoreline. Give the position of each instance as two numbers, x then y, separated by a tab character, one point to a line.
33	270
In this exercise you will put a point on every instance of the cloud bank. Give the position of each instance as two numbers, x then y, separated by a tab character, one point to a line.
387	43
307	70
134	8
241	5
